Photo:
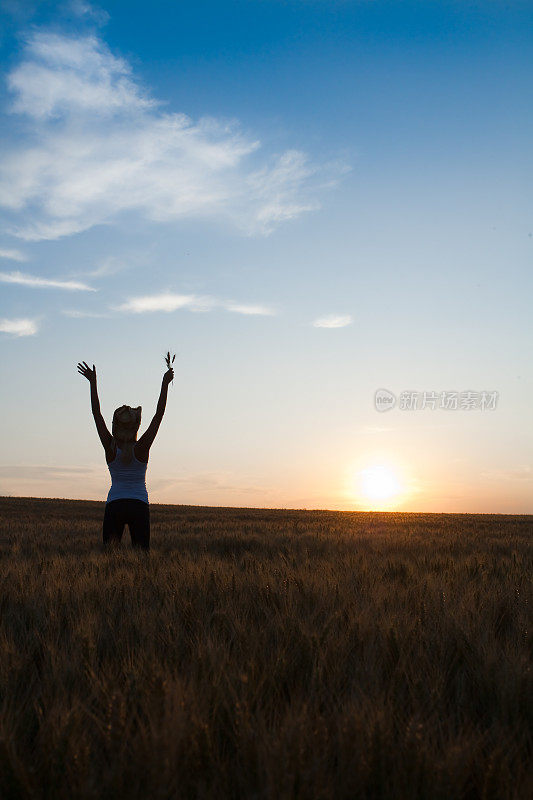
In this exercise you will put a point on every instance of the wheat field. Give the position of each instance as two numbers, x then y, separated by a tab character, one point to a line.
265	654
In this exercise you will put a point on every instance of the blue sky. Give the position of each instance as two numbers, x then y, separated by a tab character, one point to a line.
308	201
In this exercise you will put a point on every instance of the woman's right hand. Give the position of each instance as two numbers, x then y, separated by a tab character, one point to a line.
85	370
168	376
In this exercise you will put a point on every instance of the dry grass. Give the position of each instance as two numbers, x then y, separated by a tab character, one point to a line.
265	654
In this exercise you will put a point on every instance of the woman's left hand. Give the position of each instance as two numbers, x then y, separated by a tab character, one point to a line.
85	370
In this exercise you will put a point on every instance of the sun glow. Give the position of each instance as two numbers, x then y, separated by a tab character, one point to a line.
378	487
379	483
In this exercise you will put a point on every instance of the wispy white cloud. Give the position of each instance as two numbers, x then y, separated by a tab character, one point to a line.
19	327
63	75
240	308
212	481
108	266
165	301
42	471
13	255
44	283
88	11
98	145
168	302
333	321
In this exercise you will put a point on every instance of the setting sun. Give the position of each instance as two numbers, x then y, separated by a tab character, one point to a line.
379	483
377	486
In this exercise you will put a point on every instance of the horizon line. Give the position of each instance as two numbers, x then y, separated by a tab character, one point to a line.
290	508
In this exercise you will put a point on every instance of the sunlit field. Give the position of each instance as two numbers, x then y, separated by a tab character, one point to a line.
265	654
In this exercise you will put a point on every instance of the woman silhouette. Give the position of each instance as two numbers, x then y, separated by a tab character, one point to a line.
127	459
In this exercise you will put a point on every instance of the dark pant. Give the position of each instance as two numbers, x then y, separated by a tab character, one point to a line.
133	513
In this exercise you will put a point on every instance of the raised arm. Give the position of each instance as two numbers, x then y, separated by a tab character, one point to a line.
101	427
147	439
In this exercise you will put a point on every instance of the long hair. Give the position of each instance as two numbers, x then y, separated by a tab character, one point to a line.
126	422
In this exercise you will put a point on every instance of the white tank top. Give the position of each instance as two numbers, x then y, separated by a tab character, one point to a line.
128	481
